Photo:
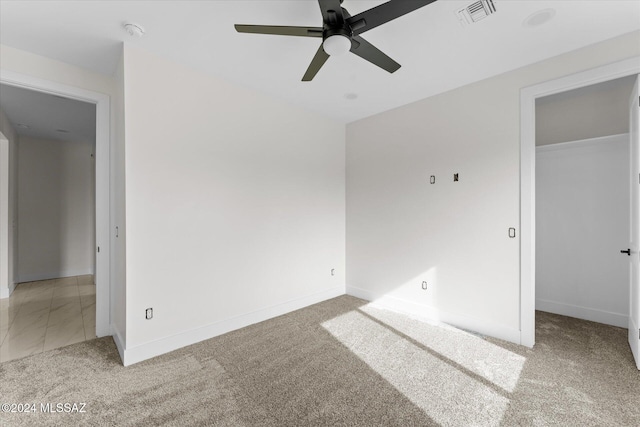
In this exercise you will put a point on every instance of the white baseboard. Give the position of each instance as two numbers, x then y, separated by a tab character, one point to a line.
117	338
592	314
6	292
53	275
633	340
155	348
433	314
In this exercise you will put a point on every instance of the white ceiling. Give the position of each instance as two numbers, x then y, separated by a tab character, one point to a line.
435	51
48	116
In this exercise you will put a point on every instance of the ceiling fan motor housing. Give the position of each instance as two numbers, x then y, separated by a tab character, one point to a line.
337	25
345	31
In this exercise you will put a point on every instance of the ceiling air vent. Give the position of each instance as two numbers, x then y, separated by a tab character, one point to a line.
476	11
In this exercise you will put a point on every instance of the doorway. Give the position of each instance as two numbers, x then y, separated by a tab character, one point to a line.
582	202
101	203
527	176
53	304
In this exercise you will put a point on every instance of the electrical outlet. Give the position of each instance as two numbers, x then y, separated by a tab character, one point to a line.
424	285
148	313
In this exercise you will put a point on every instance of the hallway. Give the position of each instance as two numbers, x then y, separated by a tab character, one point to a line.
47	314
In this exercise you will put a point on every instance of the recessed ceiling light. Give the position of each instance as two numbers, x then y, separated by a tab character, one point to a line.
538	18
134	30
351	96
62	130
23	126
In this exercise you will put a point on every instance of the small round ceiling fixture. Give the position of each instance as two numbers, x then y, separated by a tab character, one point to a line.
351	96
539	18
134	30
336	45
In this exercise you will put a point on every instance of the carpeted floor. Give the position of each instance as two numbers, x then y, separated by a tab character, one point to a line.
341	363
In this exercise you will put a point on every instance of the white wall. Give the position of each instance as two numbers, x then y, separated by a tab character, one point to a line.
582	222
401	230
587	112
8	207
55	196
235	206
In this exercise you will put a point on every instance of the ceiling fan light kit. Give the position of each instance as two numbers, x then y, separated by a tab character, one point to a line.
336	45
340	32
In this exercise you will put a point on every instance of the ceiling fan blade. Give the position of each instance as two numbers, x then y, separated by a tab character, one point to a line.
331	12
316	63
280	30
384	13
366	50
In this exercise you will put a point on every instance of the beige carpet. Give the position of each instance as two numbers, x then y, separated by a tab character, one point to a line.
341	363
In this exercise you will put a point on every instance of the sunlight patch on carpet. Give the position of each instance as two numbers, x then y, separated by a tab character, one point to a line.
493	363
446	393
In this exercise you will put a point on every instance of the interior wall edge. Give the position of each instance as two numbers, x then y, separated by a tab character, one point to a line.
118	339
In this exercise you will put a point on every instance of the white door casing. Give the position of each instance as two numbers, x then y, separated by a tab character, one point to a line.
634	234
5	278
102	176
528	96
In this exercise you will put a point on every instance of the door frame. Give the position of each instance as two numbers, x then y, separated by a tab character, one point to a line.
102	181
6	279
528	96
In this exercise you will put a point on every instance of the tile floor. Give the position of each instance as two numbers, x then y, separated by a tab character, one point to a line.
43	315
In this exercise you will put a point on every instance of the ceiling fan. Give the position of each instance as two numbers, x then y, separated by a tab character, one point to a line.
340	32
